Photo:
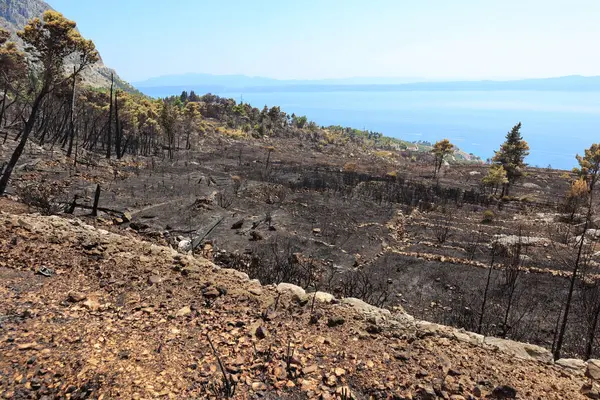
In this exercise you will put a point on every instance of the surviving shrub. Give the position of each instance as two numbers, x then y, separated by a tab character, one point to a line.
488	217
236	184
350	167
575	197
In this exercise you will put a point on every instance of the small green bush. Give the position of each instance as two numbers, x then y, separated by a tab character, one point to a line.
488	217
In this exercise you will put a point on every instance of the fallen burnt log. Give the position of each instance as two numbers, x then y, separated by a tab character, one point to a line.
70	207
73	205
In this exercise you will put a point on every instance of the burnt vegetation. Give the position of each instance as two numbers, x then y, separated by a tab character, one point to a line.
499	249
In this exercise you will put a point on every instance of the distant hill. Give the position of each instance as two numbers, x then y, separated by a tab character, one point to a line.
237	81
15	14
205	83
208	83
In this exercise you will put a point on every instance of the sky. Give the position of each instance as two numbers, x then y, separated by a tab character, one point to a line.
319	39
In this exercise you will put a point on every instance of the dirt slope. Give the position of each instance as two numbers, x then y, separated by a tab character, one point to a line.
121	318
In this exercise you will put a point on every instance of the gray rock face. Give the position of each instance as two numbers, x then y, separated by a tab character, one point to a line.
365	308
593	369
525	351
468	337
449	332
15	14
572	364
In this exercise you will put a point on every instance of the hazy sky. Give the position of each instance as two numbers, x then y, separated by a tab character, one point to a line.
449	39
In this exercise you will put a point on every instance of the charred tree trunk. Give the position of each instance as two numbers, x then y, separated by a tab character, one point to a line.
118	131
110	115
44	130
124	148
24	136
563	325
3	110
72	116
591	335
96	200
485	291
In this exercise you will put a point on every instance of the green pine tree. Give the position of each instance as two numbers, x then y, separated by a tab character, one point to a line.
511	156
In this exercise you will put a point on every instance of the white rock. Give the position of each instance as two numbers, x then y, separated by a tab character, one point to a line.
523	240
321	297
293	289
182	312
521	350
593	369
365	308
184	246
468	337
573	364
427	326
234	272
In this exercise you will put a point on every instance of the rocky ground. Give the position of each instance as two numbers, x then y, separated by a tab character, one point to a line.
91	314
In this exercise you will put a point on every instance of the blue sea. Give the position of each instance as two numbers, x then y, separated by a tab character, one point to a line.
557	125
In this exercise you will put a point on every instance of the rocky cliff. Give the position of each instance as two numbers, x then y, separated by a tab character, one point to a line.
14	15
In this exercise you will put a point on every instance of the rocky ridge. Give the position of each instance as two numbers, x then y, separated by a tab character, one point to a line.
90	313
15	14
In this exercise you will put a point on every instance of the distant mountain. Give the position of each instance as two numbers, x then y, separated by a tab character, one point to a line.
204	83
15	14
238	81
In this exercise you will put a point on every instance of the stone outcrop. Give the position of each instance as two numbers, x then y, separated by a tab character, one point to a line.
15	14
574	365
321	297
525	351
365	308
293	289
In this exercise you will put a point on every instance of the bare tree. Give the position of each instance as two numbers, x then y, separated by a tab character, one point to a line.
441	226
487	287
590	299
110	118
512	267
590	171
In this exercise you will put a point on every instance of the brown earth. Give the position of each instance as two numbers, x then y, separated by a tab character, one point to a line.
119	317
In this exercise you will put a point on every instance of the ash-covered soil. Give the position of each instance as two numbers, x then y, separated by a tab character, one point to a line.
350	222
